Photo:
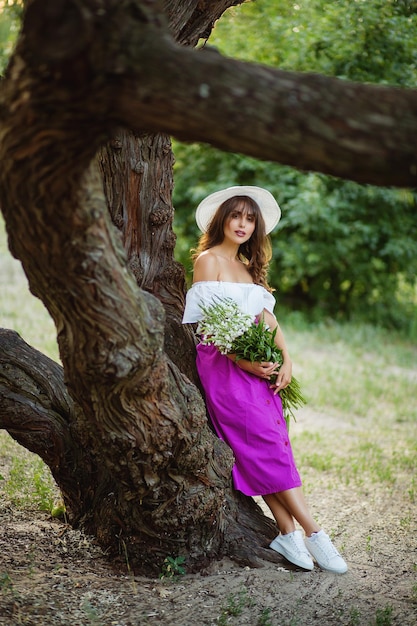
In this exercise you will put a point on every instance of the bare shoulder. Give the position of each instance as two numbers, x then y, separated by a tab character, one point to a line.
206	266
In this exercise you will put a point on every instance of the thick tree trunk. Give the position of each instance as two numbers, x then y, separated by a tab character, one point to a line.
138	177
191	20
37	411
141	469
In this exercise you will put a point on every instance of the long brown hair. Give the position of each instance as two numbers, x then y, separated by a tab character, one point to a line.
256	252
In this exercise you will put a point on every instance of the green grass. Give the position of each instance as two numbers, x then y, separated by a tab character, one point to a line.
235	605
25	481
363	380
30	484
383	617
356	370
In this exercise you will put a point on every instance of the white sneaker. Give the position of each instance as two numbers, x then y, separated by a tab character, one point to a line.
326	555
292	547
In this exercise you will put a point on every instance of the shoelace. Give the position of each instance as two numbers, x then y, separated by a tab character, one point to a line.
327	547
299	544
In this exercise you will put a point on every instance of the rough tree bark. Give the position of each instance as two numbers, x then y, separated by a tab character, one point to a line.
138	179
129	447
123	430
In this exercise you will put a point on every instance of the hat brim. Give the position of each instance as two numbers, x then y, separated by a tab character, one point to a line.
264	199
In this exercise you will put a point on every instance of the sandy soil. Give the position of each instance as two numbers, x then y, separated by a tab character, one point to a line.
50	574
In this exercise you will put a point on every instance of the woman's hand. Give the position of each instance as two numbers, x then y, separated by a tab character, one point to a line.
263	369
283	377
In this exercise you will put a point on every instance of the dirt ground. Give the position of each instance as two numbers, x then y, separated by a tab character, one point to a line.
50	574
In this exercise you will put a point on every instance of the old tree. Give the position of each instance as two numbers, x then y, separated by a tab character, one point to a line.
91	95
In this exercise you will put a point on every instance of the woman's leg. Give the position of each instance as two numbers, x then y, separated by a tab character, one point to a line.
289	505
283	518
289	543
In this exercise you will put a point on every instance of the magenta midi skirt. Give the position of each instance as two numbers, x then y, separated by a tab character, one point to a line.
248	417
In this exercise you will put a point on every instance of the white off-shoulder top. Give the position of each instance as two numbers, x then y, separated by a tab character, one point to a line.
251	298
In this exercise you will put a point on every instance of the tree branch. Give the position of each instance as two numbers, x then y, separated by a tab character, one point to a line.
366	133
191	20
145	81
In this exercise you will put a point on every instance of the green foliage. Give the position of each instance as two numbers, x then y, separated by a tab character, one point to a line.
6	583
235	605
383	616
265	617
354	617
349	251
341	250
173	567
362	40
10	15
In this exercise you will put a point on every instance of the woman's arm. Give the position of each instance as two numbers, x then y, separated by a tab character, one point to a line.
285	371
262	369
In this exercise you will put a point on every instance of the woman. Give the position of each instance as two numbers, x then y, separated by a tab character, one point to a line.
231	262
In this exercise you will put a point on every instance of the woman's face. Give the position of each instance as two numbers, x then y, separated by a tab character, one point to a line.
240	225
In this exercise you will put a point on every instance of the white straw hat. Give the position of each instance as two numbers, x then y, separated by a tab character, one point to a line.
264	199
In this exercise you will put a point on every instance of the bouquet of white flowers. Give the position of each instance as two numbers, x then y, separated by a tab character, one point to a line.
227	327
